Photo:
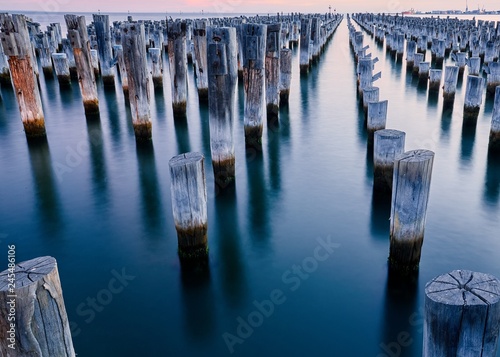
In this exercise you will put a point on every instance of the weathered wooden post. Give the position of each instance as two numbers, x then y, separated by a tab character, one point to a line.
493	77
285	74
94	57
305	39
474	66
418	58
423	71
365	73
118	49
41	326
134	53
462	315
189	206
178	66
440	52
410	195
156	67
450	84
494	144
200	58
388	144
4	68
222	73
254	51
461	59
370	94
44	54
376	118
68	50
62	69
16	45
411	47
77	33
103	35
400	42
435	79
473	97
273	70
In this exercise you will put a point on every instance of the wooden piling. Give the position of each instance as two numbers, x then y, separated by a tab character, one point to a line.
120	61
473	98
493	77
418	58
410	195
77	34
305	39
68	51
222	66
272	67
423	71
94	56
178	66
4	68
411	47
494	143
450	84
285	74
156	67
388	144
365	73
200	58
16	45
370	94
461	58
462	315
61	68
376	118
45	55
254	51
435	79
189	205
103	35
474	66
41	326
134	53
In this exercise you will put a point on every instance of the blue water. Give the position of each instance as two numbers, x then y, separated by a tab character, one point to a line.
100	204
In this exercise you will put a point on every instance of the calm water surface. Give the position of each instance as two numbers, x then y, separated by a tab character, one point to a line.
100	204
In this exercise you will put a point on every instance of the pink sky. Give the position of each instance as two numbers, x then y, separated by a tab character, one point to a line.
252	6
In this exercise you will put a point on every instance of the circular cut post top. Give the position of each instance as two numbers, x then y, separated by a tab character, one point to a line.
28	272
389	133
420	155
183	159
464	287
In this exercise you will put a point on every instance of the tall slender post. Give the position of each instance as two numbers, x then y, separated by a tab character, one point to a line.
77	33
254	81
178	66
494	144
462	315
222	80
134	53
68	50
103	35
45	55
273	70
285	74
119	58
189	206
200	58
4	68
411	47
410	195
16	45
388	144
156	67
305	39
41	322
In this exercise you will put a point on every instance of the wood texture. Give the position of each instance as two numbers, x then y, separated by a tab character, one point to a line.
388	144
473	97
156	67
450	83
42	327
272	67
104	48
462	315
61	68
200	58
494	143
285	74
177	59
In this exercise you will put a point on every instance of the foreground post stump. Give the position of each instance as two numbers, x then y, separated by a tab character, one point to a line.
41	323
189	206
254	81
473	98
388	144
134	53
285	74
178	66
462	315
410	195
77	34
16	44
222	82
494	144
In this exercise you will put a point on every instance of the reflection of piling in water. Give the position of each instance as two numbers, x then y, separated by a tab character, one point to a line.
222	80
473	98
178	66
17	46
42	321
285	75
410	195
62	69
462	315
388	144
435	80
494	143
376	118
138	80
189	206
254	50
77	33
450	84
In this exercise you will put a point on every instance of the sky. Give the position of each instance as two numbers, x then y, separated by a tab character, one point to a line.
239	6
